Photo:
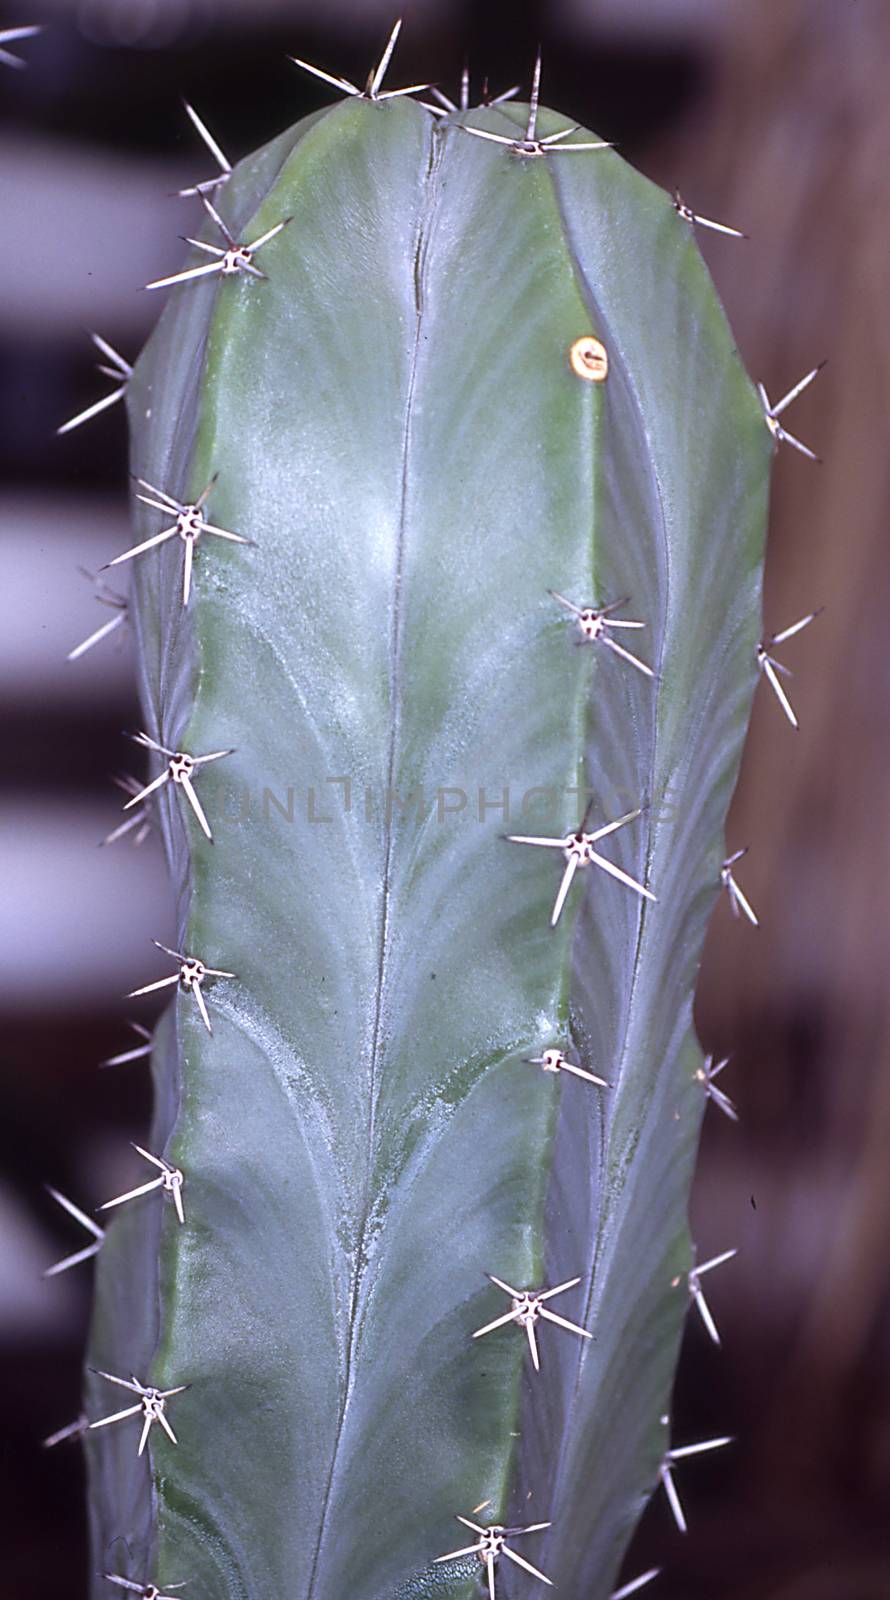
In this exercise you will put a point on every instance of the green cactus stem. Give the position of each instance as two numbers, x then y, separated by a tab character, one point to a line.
478	396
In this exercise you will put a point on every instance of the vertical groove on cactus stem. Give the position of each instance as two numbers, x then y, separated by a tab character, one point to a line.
424	224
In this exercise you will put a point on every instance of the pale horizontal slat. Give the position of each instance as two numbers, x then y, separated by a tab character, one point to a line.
90	230
76	921
49	606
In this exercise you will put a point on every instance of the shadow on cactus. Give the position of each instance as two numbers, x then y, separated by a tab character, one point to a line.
450	535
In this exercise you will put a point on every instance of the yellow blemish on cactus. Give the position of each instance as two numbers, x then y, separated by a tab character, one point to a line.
589	359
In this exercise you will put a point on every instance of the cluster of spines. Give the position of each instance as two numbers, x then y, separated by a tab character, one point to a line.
593	622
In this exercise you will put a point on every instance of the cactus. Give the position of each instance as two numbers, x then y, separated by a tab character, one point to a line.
473	392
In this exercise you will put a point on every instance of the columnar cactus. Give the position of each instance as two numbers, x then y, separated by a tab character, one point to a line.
477	411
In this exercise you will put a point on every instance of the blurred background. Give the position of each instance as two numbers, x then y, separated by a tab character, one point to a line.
771	115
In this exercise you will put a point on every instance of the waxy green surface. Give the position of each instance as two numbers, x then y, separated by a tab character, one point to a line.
396	425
